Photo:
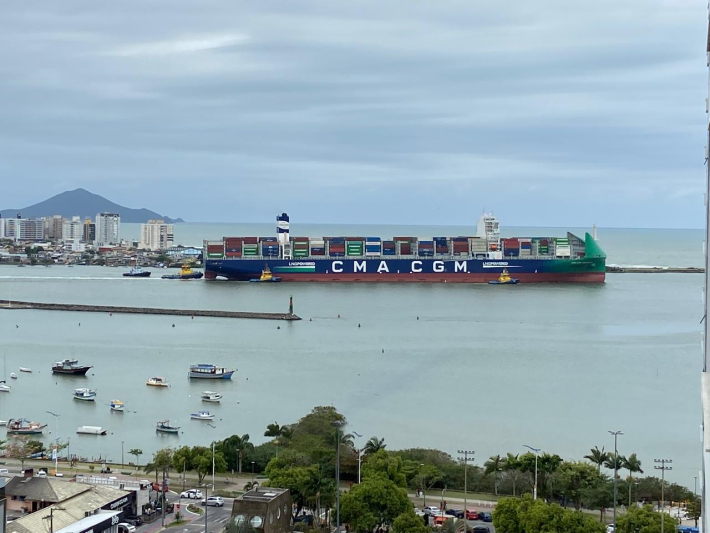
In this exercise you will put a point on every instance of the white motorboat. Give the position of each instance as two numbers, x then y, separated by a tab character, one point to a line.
87	395
3	422
117	406
91	430
13	375
4	387
209	396
202	415
157	382
25	369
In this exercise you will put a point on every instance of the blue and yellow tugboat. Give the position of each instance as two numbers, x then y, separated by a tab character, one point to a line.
504	279
266	276
185	273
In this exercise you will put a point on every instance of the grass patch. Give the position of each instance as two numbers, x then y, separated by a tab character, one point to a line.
434	498
195	509
176	523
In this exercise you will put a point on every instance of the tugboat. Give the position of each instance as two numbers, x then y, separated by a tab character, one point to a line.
69	366
203	371
266	276
185	273
164	427
22	426
137	272
86	395
504	279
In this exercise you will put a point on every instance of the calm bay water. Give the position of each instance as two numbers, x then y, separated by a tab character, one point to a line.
482	367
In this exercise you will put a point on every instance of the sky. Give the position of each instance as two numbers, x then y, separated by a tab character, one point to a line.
547	113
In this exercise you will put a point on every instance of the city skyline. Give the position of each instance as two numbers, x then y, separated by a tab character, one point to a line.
341	113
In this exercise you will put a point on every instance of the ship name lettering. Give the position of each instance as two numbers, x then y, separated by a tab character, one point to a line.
416	266
337	267
359	266
383	267
438	266
460	266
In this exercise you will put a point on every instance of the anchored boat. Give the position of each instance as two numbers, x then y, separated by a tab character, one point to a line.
4	387
69	366
25	369
164	427
204	371
91	430
86	395
157	382
117	406
209	396
202	415
137	272
185	273
22	426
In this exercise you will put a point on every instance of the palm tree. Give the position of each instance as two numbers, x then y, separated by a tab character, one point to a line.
494	466
511	466
373	446
633	465
615	462
598	457
273	430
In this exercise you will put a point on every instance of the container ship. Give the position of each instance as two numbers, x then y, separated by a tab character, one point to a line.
468	259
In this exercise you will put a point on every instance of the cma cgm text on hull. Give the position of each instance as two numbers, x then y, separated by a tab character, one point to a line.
466	259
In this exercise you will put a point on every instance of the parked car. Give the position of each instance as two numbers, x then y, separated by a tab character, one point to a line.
458	513
133	520
124	527
58	474
471	514
157	487
41	473
192	494
213	501
431	510
481	529
485	517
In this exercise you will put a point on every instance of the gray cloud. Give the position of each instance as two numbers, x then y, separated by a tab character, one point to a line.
550	113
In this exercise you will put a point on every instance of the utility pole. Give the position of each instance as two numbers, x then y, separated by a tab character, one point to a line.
337	476
616	471
51	517
123	463
465	460
537	451
663	468
163	487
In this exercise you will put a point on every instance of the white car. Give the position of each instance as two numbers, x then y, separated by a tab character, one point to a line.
41	473
213	501
431	510
191	494
610	528
124	527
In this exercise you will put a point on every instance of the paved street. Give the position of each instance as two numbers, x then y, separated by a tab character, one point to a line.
217	518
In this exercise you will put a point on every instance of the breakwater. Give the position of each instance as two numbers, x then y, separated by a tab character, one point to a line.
12	304
653	270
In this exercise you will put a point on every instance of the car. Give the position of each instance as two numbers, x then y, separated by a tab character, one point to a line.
41	474
4	472
213	501
481	529
124	527
471	514
431	510
610	528
458	513
133	519
485	516
58	474
157	487
192	494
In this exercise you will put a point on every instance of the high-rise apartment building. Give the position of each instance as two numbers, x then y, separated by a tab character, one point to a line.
89	230
156	235
53	227
108	229
29	229
72	229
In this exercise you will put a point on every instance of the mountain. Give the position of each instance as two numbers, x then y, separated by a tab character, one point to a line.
84	204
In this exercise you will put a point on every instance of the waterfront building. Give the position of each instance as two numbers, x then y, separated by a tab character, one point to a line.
53	227
265	509
156	235
28	229
108	229
72	229
89	230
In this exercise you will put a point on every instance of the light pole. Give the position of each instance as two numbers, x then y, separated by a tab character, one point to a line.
423	485
695	487
206	493
252	472
123	463
663	468
337	476
359	457
537	451
56	421
616	470
465	460
51	517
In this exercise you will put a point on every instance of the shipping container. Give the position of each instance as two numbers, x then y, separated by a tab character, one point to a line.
317	250
250	240
405	248
267	239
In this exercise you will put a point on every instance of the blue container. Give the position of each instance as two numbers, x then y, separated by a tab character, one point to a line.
373	248
339	240
372	239
388	251
511	252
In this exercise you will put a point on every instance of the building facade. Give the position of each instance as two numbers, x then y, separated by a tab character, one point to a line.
53	227
89	230
156	235
108	229
72	229
29	229
268	510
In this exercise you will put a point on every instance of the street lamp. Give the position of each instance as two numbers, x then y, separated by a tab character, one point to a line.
663	468
252	472
465	459
421	477
337	424
213	427
616	469
51	517
537	451
359	457
56	421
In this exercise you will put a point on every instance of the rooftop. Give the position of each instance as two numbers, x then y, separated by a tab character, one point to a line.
262	494
42	489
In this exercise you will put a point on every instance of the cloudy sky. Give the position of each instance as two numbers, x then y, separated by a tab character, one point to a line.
547	112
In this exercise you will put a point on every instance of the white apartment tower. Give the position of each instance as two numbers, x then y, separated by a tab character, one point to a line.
108	229
72	229
156	235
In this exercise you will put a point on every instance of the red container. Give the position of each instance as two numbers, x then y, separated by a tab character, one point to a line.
405	248
230	241
300	239
403	239
511	243
251	240
234	254
215	248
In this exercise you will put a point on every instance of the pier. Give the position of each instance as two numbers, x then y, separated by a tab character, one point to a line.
13	304
653	270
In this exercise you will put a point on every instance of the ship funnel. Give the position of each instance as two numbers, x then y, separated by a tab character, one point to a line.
282	228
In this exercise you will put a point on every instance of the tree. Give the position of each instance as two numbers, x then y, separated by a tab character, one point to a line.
136	452
614	462
526	515
162	461
598	457
695	509
373	446
273	430
633	465
375	502
644	520
599	496
293	478
21	449
235	449
386	466
183	459
575	478
511	467
203	461
409	523
494	466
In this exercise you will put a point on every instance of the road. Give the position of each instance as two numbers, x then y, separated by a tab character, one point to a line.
217	518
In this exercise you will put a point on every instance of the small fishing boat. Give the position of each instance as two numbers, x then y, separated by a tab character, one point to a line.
209	396
117	406
69	366
86	395
3	422
266	276
13	375
91	430
157	382
25	369
504	279
185	273
137	272
4	387
204	371
21	265
202	415
164	427
22	426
